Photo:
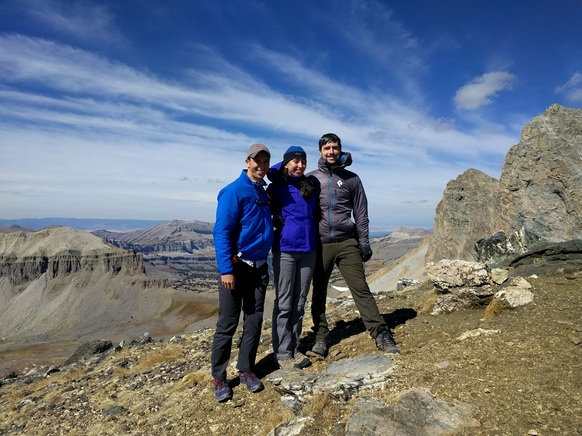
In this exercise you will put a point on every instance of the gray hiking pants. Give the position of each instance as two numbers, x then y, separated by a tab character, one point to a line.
293	272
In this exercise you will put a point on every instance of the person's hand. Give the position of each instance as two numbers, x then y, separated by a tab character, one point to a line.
227	281
366	252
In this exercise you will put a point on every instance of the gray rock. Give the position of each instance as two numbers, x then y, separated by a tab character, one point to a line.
516	294
537	197
342	379
449	274
88	349
416	412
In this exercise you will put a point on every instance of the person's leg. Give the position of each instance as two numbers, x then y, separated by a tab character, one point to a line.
254	290
352	270
229	307
285	284
324	263
276	310
303	274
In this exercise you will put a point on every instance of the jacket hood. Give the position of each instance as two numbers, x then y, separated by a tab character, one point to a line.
274	173
345	161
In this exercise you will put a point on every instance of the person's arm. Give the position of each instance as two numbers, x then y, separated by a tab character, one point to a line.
227	221
360	212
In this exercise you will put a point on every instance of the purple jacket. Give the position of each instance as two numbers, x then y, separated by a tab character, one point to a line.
293	215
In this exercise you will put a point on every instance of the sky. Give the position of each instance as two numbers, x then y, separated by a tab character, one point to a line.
143	109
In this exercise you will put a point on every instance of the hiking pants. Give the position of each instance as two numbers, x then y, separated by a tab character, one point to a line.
248	295
346	255
293	272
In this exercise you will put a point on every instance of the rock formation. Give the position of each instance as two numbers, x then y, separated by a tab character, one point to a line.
171	238
181	251
536	200
60	282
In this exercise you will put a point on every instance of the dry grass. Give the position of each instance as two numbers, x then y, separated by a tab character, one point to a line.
170	353
324	411
426	304
193	379
495	308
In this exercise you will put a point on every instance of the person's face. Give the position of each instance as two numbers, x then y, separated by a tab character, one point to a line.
330	153
258	166
296	167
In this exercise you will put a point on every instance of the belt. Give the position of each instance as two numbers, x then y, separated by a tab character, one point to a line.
254	263
251	263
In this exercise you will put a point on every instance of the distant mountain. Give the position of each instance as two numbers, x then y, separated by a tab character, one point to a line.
14	228
397	243
119	225
170	237
181	251
64	283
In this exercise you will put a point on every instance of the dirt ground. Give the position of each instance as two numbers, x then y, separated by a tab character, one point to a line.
523	378
522	375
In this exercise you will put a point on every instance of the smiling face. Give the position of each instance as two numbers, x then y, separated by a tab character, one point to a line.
330	153
258	166
296	167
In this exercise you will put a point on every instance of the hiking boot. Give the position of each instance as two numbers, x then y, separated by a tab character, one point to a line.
385	343
301	361
222	391
319	349
251	381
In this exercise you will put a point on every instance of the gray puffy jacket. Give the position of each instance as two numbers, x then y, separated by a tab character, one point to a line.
341	197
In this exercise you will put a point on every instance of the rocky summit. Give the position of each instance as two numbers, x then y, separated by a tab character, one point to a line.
536	200
471	371
485	314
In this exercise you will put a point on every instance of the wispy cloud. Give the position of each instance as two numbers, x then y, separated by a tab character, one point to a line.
89	132
572	88
482	90
86	21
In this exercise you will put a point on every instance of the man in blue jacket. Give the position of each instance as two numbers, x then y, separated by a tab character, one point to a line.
344	242
243	235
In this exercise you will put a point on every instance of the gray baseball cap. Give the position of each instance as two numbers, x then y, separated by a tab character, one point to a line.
256	149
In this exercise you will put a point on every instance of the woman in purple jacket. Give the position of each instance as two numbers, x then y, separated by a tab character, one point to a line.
293	205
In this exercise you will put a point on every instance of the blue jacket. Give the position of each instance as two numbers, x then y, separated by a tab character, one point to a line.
293	215
243	223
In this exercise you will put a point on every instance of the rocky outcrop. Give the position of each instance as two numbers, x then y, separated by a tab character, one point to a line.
23	270
181	251
170	238
62	282
58	252
537	198
461	284
468	211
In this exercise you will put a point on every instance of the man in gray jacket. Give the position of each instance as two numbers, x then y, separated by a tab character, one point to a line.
344	243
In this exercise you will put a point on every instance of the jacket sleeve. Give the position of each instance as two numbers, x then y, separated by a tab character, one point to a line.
227	220
360	212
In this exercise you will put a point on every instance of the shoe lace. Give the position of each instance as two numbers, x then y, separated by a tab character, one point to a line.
249	376
219	384
386	340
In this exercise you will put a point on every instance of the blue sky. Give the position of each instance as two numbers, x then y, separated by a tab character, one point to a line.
143	109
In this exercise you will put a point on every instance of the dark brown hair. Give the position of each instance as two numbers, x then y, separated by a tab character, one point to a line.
330	137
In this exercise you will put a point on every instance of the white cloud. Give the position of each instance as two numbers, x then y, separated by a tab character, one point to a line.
572	88
83	20
107	140
481	90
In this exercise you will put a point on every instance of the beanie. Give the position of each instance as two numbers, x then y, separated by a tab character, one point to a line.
293	152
